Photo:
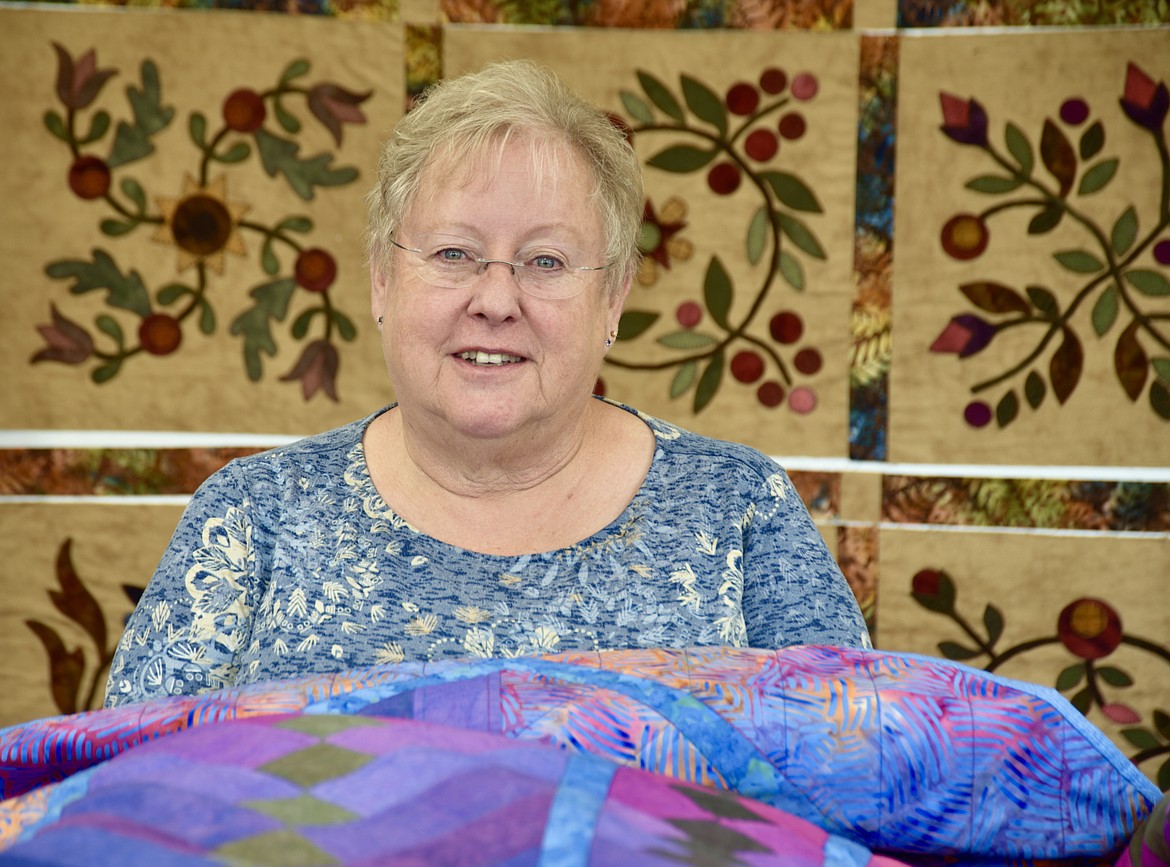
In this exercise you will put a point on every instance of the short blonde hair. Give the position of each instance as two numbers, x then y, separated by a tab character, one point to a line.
471	113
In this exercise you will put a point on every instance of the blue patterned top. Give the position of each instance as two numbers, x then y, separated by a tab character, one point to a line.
289	563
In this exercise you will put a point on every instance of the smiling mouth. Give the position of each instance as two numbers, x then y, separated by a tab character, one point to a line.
489	358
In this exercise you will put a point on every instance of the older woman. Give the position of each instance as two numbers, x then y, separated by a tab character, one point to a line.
498	508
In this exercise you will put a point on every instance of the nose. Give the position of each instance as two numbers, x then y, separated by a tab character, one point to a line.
497	300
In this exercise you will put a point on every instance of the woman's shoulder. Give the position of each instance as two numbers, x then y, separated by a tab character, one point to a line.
328	452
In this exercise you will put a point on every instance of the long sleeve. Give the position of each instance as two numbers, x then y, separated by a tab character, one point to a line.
195	617
794	592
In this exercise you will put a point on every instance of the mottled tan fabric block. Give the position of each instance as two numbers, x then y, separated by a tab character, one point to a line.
200	57
62	568
1054	100
696	224
1062	605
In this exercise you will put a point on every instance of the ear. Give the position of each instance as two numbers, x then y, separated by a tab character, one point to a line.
617	301
379	292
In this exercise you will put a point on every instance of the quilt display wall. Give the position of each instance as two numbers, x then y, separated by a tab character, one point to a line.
920	253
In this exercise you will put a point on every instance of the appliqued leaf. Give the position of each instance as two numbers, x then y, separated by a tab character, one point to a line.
704	103
1007	409
1034	389
1058	156
126	291
1092	140
1098	176
1148	282
792	191
254	324
132	141
717	291
687	340
1079	261
709	382
757	235
1047	220
1020	148
791	270
1124	231
1105	310
1130	362
995	297
636	107
1064	370
634	322
684	378
659	95
993	184
800	235
1044	300
681	158
279	156
1160	399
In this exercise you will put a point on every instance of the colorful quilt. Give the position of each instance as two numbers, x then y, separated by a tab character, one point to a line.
802	756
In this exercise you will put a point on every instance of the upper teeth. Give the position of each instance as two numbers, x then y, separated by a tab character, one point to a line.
489	357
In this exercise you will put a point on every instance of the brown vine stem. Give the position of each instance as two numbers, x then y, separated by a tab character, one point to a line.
773	262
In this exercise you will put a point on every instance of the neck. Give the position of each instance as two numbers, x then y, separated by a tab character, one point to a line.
467	466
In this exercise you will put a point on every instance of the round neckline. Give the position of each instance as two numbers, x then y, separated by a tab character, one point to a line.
599	536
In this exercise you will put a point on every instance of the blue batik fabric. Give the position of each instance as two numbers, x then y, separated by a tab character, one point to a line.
290	562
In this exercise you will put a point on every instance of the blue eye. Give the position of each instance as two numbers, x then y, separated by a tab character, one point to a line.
451	254
546	262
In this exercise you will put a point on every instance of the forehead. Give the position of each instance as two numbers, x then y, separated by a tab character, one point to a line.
550	172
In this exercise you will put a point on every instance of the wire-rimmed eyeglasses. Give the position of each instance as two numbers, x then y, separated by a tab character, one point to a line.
451	263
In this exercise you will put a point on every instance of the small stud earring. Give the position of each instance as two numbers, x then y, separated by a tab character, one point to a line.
379	320
609	340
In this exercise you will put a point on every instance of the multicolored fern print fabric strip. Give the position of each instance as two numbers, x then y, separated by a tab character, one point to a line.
907	755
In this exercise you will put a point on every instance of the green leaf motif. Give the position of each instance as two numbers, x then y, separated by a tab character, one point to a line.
1079	261
687	340
287	122
1160	399
1162	723
798	233
1020	148
237	153
197	129
1034	389
1047	220
1043	300
1114	676
97	128
709	382
636	107
206	317
126	291
993	622
1140	738
300	326
268	260
635	322
1007	409
345	326
132	141
757	236
704	103
295	69
1124	231
279	156
114	228
1105	310
110	326
295	224
1161	367
1070	677
954	650
272	301
1097	177
1147	282
172	292
132	190
107	371
55	125
717	292
1092	141
792	191
659	95
681	158
791	270
683	379
993	184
